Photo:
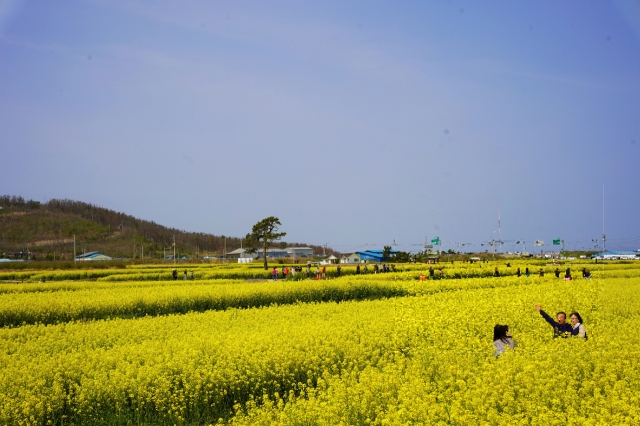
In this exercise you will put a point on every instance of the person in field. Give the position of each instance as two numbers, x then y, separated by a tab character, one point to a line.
541	272
496	272
338	269
185	274
357	269
192	276
324	272
567	275
174	274
578	328
560	328
274	274
502	339
518	273
557	272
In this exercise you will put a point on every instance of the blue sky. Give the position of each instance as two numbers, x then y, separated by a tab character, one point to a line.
355	123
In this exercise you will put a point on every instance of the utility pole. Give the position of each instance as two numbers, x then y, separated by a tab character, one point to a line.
174	249
499	229
224	251
604	237
324	249
562	241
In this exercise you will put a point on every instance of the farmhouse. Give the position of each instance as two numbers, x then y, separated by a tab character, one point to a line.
329	260
350	258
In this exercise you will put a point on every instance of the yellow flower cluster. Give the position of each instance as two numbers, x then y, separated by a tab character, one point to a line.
425	357
86	303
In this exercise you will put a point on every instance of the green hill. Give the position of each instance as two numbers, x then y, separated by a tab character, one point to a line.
46	231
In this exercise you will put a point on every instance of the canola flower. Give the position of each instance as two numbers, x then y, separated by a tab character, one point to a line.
91	303
455	270
425	358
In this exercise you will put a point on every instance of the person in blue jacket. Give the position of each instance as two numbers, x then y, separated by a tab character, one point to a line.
560	328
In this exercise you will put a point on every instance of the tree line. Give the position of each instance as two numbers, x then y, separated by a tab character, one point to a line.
60	218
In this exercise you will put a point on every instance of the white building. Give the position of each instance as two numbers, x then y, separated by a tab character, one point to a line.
241	253
350	258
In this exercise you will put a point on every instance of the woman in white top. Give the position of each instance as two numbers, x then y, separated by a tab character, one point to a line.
502	339
579	329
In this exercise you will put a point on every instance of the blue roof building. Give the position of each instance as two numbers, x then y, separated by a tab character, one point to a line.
617	255
373	255
93	255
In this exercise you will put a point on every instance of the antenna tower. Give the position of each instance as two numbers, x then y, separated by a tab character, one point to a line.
499	230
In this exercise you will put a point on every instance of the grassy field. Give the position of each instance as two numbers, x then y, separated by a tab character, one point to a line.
359	349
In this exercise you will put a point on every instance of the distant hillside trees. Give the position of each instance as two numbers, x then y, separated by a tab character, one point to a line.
47	228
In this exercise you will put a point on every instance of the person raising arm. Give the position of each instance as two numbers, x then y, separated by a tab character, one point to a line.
560	327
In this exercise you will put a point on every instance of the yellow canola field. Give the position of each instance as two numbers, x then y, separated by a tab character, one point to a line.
111	302
51	303
255	271
423	359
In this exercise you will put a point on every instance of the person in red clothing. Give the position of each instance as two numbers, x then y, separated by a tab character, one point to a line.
324	272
